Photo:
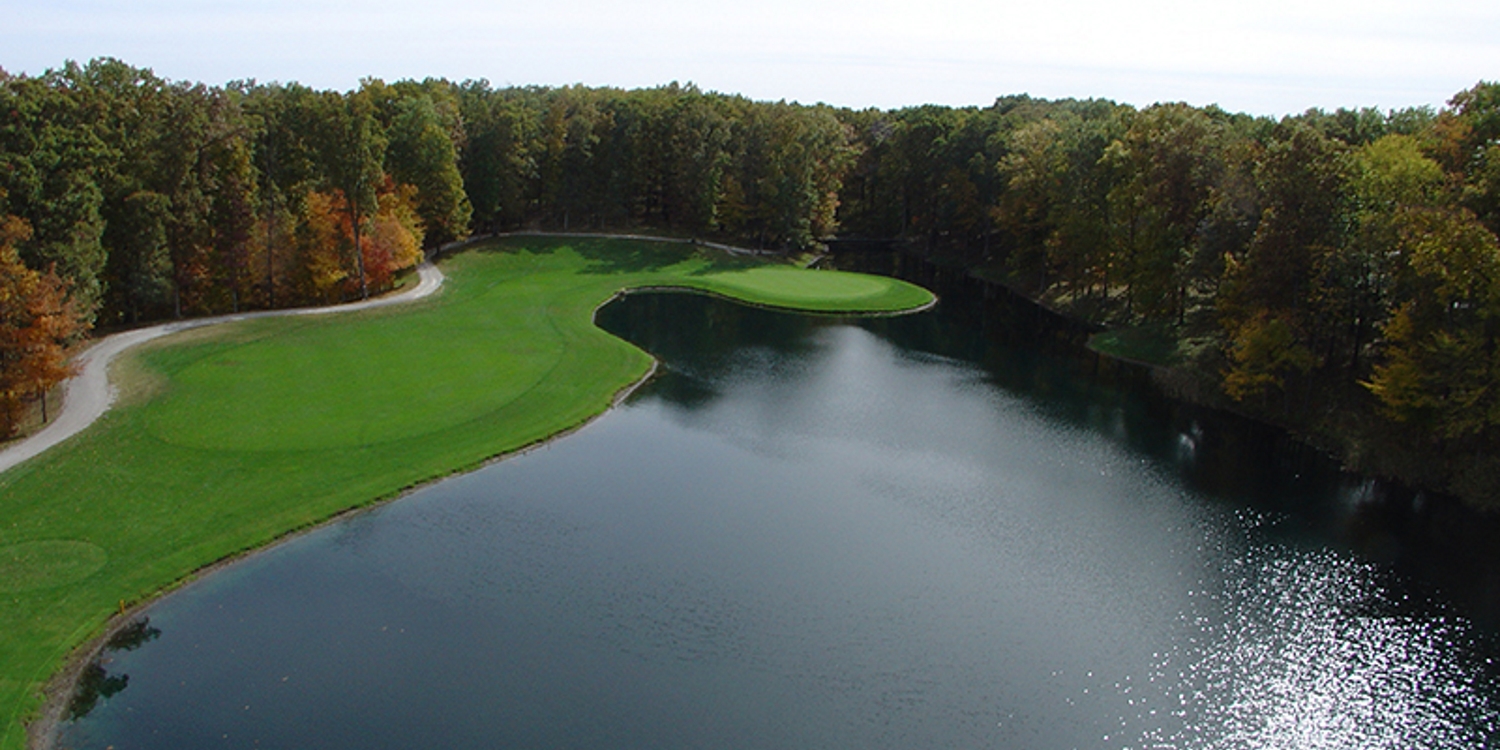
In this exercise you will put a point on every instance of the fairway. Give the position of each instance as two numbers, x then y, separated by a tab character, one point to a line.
251	430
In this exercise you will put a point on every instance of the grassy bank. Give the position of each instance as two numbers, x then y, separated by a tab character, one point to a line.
228	438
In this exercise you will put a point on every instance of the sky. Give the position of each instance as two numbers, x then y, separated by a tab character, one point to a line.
1266	57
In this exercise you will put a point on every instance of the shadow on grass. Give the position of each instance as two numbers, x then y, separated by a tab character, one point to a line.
613	255
1154	344
617	256
720	261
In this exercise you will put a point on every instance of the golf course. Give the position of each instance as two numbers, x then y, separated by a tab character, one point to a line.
223	439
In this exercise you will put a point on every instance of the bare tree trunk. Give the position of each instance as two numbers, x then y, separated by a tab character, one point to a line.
271	233
359	253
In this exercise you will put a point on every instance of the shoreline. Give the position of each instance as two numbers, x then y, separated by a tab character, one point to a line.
773	308
1189	387
58	690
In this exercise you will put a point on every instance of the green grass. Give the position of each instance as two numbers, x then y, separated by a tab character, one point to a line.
1152	344
786	286
240	434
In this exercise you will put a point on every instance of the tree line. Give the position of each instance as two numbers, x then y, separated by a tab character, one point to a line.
161	199
152	199
1334	272
1337	272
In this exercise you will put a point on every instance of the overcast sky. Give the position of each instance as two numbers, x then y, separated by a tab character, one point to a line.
1262	56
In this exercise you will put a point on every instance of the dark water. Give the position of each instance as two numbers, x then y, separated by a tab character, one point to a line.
813	533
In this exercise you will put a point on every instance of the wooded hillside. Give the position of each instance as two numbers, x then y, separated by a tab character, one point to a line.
1336	272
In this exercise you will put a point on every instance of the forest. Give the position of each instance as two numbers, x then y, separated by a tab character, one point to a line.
1334	272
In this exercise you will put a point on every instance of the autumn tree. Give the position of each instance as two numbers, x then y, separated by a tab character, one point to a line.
1443	342
1302	183
322	247
38	318
394	242
350	152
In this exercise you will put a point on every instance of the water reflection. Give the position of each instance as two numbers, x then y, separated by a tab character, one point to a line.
96	683
813	533
1187	444
1311	649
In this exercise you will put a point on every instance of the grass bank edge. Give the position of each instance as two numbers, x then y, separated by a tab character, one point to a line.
55	671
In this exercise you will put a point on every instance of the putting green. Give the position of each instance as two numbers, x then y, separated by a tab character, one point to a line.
453	374
263	427
795	285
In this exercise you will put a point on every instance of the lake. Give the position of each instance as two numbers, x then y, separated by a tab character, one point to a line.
949	529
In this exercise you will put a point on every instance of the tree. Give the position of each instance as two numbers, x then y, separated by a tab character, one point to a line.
1302	181
1443	343
351	151
285	161
1264	350
1171	162
1389	179
38	318
395	240
322	242
422	154
140	266
50	160
232	219
495	160
1477	111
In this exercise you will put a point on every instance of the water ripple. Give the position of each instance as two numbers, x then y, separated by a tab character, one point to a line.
1307	649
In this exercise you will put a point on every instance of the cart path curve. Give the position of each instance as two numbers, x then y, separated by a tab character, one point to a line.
88	395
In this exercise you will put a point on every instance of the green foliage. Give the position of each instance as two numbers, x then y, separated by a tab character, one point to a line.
50	157
161	199
1171	160
1264	350
1295	259
1301	180
141	264
671	157
1393	172
1442	363
351	151
422	154
1285	251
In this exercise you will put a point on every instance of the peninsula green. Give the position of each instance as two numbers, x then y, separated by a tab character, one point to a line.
243	433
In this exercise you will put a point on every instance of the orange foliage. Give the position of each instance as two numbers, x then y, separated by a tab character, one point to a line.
323	237
391	241
395	240
37	319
